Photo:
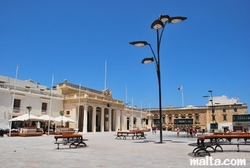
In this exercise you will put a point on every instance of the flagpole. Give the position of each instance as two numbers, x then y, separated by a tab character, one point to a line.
105	76
12	107
126	95
182	97
50	102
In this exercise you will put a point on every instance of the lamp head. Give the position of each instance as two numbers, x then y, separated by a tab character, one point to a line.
157	24
138	43
210	91
177	19
164	18
147	60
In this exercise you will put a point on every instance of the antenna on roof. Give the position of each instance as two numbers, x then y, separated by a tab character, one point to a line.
105	75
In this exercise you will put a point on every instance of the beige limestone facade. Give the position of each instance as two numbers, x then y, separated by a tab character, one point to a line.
218	117
182	118
92	110
98	111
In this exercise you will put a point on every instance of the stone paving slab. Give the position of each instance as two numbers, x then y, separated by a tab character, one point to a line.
105	151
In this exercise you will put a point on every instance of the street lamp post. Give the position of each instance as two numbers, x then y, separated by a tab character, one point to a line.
212	103
158	25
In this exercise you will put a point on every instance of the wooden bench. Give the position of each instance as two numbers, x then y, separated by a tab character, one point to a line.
231	133
60	131
216	142
31	134
74	140
138	134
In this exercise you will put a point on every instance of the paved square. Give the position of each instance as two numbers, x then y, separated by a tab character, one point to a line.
105	151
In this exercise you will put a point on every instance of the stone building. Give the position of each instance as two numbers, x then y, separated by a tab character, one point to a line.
217	115
93	110
241	122
98	111
16	95
181	118
102	111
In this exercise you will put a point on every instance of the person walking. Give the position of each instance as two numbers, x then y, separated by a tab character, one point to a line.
191	132
178	132
153	129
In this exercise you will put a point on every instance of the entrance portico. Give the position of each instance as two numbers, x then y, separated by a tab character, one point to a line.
96	111
98	119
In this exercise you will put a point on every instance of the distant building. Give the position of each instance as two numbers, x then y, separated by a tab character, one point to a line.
216	116
241	122
224	109
181	118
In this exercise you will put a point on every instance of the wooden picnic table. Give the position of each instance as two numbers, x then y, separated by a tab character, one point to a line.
74	140
216	141
134	134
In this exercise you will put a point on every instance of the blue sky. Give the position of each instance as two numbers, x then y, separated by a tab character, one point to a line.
73	39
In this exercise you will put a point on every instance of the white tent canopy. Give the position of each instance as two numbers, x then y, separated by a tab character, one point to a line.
46	118
25	117
64	119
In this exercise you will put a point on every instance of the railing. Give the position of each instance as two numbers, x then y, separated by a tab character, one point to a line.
29	90
93	97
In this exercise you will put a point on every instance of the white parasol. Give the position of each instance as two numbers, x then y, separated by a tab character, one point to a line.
46	118
64	119
25	117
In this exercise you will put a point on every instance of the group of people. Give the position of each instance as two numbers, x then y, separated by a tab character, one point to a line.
192	132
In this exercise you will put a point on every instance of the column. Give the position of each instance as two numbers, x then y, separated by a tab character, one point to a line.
117	120
74	116
125	121
85	119
122	121
94	119
110	120
102	120
131	124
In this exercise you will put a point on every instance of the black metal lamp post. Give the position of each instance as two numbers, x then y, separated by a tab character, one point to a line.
212	103
158	24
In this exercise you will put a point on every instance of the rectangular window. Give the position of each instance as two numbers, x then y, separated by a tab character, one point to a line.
213	117
224	110
163	120
225	117
17	104
170	119
197	119
235	110
44	107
